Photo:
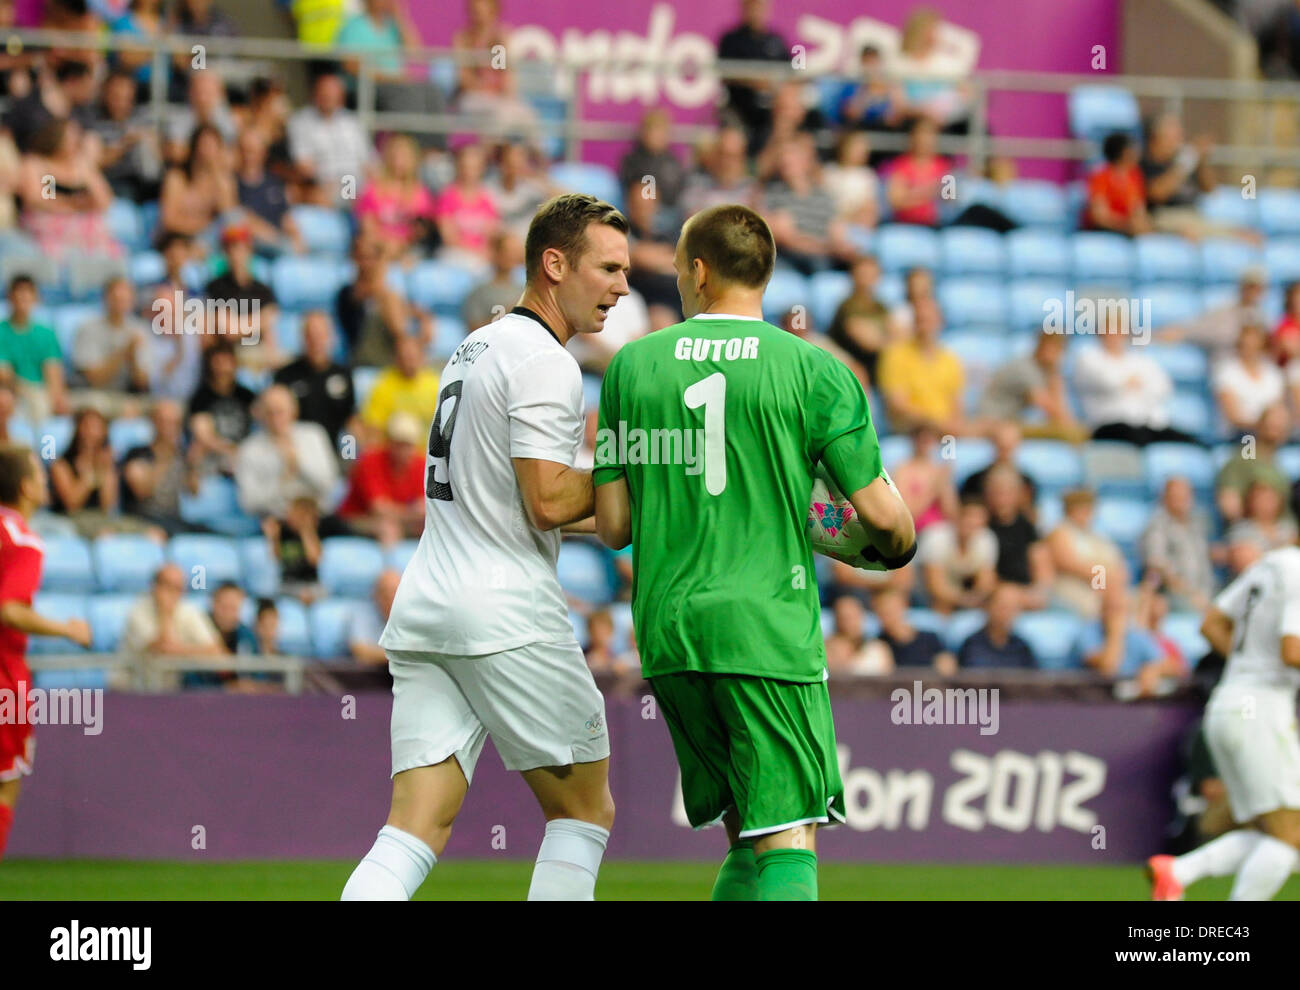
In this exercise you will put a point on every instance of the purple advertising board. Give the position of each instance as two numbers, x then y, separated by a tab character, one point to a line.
618	39
219	777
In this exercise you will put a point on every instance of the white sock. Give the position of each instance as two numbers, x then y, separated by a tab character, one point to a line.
568	861
1265	870
393	870
1219	857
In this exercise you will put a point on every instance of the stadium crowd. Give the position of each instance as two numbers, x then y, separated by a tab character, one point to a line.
224	334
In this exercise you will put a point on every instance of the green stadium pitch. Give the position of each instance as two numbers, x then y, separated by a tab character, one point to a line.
470	880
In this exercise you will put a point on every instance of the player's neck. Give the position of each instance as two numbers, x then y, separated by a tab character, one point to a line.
546	308
23	507
735	304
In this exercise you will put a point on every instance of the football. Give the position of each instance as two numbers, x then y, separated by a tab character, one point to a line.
834	528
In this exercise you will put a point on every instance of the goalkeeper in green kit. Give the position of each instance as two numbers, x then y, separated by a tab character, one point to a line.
710	431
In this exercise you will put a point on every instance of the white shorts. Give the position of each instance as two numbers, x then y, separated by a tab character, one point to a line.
538	702
1252	736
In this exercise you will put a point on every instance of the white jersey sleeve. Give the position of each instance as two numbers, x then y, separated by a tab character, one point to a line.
1264	605
545	401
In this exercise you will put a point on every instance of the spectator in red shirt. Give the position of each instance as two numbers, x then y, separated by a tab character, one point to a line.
914	180
1116	191
1285	342
386	494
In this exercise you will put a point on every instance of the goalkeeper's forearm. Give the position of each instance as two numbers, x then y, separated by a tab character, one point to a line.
889	524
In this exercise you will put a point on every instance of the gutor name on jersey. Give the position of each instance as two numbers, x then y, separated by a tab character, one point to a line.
638	446
721	349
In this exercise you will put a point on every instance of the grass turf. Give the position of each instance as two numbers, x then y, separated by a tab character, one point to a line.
469	880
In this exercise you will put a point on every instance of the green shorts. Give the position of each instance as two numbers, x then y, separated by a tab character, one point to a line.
762	746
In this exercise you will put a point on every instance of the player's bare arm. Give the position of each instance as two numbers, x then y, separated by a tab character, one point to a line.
1217	630
887	517
614	514
27	620
554	494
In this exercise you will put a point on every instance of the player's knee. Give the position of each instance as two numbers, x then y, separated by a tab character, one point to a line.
595	809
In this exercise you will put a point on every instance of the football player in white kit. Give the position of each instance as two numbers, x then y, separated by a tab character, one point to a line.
479	641
1250	726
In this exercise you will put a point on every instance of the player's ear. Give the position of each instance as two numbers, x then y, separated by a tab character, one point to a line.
700	271
553	263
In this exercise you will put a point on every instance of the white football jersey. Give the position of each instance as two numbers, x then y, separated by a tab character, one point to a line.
1264	603
483	577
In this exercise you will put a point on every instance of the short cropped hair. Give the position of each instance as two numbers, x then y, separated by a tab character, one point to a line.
562	223
735	242
15	468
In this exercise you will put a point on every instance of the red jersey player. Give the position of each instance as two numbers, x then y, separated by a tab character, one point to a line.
22	491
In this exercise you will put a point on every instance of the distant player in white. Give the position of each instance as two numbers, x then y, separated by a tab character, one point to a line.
1250	726
479	641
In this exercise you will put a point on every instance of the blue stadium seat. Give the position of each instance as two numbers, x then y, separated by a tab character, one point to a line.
329	620
57	430
216	506
1164	257
1282	257
399	555
294	636
890	290
1288	459
1184	628
1025	309
1036	203
1167	460
1102	257
1169	302
621	612
590	390
1051	636
969	301
579	624
1038	253
1052	464
1097	110
895	449
449	333
1224	259
126	224
927	620
84	278
218	556
1227	205
1279	211
325	231
961	626
440	286
107	617
125	562
1122	519
972	454
979	352
69	318
902	246
788	288
584	573
349	565
61	607
125	434
261	570
1186	364
1114	469
146	268
598	180
1191	412
363	380
826	290
68	566
971	251
307	282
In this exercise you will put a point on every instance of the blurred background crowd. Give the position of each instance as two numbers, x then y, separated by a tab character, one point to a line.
226	316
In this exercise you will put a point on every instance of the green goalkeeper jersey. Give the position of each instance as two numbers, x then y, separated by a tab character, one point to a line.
717	424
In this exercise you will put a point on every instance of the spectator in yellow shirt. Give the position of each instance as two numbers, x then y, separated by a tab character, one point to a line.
922	381
408	385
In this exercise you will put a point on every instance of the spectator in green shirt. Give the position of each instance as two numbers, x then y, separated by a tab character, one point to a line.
30	357
1255	461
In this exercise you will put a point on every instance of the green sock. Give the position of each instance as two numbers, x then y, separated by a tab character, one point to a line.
738	878
787	875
